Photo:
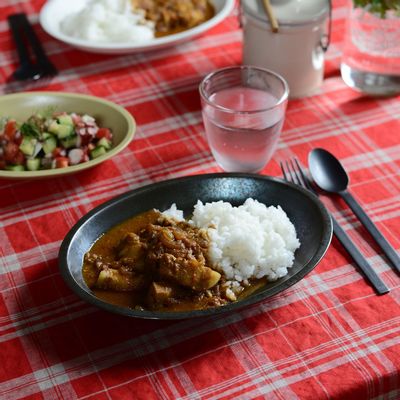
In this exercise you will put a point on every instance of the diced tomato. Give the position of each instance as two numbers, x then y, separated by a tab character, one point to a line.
86	139
10	129
104	133
18	139
61	162
56	152
11	150
19	159
13	155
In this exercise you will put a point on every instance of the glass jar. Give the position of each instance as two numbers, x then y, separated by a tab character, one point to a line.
296	51
371	53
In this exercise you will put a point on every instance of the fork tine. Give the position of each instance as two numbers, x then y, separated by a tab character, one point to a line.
285	176
293	172
308	183
289	172
297	179
301	174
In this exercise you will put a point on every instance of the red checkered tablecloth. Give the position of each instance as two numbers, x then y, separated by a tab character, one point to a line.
327	337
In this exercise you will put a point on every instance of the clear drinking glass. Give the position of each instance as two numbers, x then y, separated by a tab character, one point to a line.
371	54
243	111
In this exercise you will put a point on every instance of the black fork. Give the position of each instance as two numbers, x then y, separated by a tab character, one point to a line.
23	34
293	172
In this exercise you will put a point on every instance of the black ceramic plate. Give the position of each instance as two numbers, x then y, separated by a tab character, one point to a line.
307	213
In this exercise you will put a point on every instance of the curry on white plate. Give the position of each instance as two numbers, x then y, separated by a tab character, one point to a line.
129	26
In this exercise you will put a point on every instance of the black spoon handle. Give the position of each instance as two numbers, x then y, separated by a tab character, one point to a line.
37	47
387	248
14	22
360	260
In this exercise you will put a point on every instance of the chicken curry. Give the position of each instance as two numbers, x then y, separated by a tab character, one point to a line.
173	16
153	262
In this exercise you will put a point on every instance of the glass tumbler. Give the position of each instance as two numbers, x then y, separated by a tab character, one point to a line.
371	53
243	110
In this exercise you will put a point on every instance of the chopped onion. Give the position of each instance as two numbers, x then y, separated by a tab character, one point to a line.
92	130
75	156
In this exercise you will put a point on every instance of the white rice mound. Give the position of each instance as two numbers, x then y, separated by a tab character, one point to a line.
174	213
249	241
108	21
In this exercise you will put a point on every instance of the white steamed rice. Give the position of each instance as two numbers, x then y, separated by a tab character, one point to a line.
108	21
249	241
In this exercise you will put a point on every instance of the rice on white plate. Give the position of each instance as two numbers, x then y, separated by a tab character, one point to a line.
248	241
108	21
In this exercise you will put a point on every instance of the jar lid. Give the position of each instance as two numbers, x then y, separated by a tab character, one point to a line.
289	12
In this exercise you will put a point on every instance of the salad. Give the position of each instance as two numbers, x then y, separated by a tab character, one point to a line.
51	140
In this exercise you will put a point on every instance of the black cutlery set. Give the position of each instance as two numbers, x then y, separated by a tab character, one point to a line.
329	175
33	61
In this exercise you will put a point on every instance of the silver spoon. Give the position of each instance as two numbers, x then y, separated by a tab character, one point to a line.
329	174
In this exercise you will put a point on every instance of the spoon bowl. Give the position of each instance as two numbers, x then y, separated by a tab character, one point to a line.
327	171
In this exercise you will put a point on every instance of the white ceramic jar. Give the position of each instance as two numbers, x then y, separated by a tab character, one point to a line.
296	51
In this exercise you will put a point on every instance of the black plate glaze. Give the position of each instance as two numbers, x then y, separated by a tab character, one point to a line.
308	214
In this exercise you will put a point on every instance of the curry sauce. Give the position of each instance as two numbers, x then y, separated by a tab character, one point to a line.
155	263
174	16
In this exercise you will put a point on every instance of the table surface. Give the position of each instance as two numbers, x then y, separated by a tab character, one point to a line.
327	337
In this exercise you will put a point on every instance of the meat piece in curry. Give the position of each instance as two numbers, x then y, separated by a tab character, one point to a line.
172	16
161	263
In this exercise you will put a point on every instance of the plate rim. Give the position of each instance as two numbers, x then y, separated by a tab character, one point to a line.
56	172
124	48
174	315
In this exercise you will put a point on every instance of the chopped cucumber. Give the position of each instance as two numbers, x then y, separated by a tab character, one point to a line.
98	151
49	144
53	127
33	164
15	168
65	120
62	131
70	141
65	131
28	146
46	135
105	143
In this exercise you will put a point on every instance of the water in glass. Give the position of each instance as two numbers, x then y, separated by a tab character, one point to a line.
240	140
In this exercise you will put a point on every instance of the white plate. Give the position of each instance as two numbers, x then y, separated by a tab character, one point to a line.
54	11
